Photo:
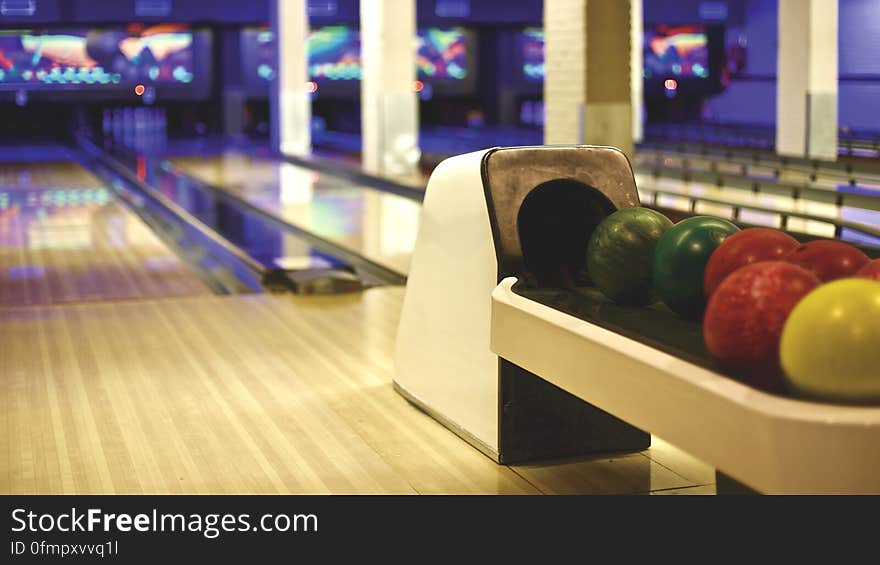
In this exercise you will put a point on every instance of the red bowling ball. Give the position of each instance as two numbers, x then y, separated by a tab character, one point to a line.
870	271
745	248
745	317
828	259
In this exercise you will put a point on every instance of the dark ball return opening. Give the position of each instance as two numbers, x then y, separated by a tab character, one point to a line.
554	224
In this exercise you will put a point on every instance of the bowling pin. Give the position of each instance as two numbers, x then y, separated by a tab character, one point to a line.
106	123
154	121
157	127
128	128
117	125
138	136
148	128
163	126
163	133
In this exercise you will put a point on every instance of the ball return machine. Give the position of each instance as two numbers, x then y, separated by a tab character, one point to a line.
503	339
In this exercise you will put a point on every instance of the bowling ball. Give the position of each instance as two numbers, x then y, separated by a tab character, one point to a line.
680	262
829	348
870	271
621	251
828	259
745	316
744	248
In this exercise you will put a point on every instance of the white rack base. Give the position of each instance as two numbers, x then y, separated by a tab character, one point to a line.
767	442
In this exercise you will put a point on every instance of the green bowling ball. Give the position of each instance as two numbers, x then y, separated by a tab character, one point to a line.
680	262
620	253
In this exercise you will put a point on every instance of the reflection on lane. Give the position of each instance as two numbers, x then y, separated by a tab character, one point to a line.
377	225
65	238
262	241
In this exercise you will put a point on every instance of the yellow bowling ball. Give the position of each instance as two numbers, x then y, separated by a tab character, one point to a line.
830	345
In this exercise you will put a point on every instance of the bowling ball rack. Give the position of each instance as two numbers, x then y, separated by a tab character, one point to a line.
679	363
651	369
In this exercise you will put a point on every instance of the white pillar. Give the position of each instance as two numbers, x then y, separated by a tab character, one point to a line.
389	104
636	64
290	103
588	85
565	63
806	79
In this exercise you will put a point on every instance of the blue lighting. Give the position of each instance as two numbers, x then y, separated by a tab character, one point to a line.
25	272
322	8
713	11
452	8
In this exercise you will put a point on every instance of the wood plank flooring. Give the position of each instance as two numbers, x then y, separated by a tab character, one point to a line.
250	394
64	238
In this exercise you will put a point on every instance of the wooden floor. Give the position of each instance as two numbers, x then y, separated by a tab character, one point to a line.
256	394
64	239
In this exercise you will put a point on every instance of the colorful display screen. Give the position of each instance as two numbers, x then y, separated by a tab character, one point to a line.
442	54
335	54
531	51
676	51
680	51
160	54
258	52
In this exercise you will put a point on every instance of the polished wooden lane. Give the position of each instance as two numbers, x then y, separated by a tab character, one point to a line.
383	227
64	238
255	394
372	223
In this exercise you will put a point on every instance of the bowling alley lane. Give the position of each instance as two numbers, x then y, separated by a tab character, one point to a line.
64	238
377	225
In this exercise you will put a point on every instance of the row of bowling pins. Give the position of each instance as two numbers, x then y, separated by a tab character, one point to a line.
136	128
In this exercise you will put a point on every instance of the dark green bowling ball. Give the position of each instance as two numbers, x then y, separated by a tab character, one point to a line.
620	254
680	261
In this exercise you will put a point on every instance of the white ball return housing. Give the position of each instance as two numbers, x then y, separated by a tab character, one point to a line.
498	294
487	215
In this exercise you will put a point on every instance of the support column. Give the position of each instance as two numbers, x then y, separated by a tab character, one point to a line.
565	64
587	87
232	98
290	102
636	64
389	105
806	79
